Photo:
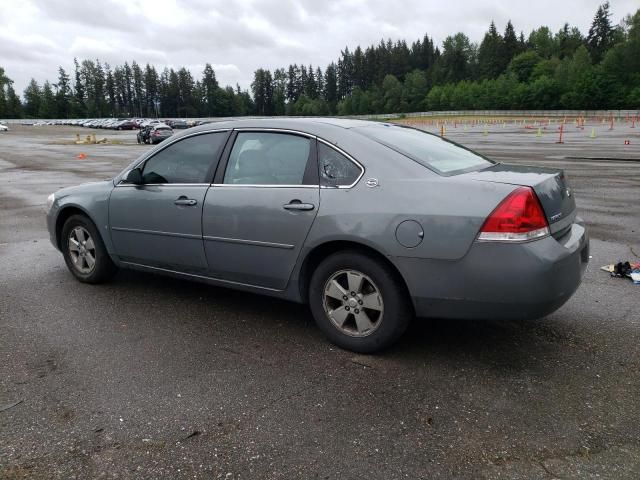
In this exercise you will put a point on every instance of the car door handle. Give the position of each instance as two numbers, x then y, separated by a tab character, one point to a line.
298	205
189	202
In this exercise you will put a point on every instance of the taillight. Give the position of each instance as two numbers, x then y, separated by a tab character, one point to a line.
519	217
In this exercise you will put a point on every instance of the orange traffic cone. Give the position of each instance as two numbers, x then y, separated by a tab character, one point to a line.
81	156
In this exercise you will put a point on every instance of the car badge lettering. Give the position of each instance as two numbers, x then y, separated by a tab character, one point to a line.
372	182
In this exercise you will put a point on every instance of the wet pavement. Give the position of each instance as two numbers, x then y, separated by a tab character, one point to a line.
151	377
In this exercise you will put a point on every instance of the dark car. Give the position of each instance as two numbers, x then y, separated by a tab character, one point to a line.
143	133
125	125
159	133
145	130
179	124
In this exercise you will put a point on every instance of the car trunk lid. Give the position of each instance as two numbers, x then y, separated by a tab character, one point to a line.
549	184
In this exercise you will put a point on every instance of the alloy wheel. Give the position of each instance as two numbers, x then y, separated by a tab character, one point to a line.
82	250
353	303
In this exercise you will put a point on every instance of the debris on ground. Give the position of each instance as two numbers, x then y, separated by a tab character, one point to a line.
624	269
10	405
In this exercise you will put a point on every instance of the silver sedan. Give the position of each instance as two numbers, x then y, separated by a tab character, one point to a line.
369	223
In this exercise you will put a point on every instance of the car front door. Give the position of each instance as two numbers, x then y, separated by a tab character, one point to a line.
257	215
159	222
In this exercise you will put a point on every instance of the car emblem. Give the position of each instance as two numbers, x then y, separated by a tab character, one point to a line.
568	192
556	216
372	182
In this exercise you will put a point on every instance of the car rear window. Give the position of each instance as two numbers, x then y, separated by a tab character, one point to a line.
435	153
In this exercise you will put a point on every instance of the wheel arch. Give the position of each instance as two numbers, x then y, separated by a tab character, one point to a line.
64	215
323	250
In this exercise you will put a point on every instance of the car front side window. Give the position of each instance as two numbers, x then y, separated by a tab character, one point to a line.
186	161
266	158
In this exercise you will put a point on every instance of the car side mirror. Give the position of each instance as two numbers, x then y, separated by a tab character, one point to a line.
134	176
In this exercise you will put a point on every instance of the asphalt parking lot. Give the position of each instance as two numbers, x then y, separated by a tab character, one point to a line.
151	377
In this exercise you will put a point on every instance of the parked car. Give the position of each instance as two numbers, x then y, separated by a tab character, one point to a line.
369	223
179	124
125	125
3	128
145	131
159	132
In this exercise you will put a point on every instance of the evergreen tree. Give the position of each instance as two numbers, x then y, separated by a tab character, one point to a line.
601	33
47	107
32	97
490	54
210	89
4	81
510	46
311	87
78	108
63	95
331	87
151	89
279	91
293	76
138	88
14	106
262	88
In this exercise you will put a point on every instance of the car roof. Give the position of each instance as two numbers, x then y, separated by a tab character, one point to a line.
330	129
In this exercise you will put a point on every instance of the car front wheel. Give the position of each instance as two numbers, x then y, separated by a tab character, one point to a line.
84	252
359	302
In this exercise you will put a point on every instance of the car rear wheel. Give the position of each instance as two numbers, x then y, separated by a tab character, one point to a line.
84	252
358	302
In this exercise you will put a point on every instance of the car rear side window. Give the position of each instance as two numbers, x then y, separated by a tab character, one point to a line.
185	161
265	158
438	154
336	170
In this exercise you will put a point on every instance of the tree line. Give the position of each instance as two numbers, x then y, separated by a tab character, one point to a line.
97	90
546	70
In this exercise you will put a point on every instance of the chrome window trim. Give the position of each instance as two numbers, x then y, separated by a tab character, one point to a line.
163	185
154	152
309	135
276	130
275	185
350	158
268	130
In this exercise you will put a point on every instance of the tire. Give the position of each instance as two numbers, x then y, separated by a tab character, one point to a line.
79	262
379	286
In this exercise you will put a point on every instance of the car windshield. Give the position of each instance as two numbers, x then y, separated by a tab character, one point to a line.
438	154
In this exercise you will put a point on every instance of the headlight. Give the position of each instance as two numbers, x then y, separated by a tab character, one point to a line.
50	199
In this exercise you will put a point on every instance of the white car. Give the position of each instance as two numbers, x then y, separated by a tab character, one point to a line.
3	128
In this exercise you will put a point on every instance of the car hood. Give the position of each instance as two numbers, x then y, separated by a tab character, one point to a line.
85	187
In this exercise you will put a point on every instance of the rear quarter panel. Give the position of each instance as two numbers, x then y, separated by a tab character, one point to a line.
451	210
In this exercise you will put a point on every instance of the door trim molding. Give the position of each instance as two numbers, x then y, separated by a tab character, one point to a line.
192	275
258	243
157	232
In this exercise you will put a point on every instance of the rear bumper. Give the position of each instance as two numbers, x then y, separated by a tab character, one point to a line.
500	280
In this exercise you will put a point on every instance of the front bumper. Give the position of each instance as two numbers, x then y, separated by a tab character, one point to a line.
500	280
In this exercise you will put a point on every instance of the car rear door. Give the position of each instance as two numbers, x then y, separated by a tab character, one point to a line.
158	223
257	215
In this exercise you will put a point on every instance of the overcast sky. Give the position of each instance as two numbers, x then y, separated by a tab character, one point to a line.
238	36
